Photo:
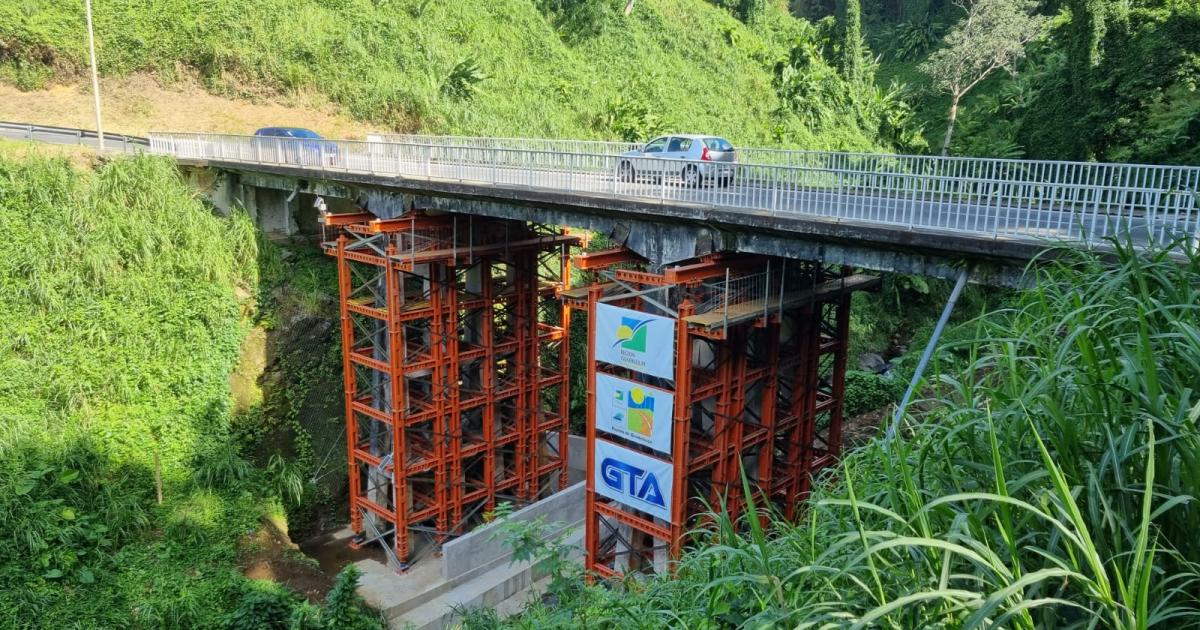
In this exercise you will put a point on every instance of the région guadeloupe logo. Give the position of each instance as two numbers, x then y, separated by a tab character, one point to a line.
631	334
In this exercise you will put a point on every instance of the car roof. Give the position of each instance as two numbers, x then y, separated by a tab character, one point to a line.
690	136
283	129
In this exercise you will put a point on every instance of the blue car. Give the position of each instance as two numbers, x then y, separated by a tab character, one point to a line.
295	145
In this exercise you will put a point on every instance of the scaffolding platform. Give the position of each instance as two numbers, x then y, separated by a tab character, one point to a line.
757	361
741	312
455	366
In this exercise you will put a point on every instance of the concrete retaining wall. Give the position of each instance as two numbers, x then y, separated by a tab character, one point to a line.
479	551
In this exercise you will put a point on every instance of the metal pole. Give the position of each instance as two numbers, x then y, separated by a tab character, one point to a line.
95	78
937	334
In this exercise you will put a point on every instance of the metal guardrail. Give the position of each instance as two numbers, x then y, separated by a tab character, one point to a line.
1068	201
596	147
71	135
1126	176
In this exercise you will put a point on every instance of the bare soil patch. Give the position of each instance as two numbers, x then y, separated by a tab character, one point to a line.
270	555
138	104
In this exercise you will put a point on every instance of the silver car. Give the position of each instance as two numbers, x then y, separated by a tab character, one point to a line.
695	160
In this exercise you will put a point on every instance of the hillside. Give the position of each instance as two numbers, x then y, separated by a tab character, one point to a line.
488	67
126	301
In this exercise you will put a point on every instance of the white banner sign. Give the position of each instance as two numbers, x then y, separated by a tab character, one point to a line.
628	477
636	340
636	412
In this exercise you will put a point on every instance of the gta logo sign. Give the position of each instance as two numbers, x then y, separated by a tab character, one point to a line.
638	341
633	479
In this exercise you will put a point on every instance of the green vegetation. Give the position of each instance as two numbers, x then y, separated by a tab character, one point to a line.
1047	483
470	66
122	324
1110	81
992	36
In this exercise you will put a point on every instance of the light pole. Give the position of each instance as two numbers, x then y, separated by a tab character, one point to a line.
95	78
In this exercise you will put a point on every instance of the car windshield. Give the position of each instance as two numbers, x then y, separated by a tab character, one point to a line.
656	145
303	133
718	144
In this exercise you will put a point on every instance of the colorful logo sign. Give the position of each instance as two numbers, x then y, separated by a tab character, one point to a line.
635	340
641	411
633	479
636	412
631	334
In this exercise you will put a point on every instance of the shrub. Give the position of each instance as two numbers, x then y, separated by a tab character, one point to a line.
866	391
463	81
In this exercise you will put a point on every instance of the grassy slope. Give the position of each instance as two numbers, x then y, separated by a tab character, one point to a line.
387	61
122	323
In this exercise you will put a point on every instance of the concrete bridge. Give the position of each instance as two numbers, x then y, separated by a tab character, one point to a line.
913	214
456	326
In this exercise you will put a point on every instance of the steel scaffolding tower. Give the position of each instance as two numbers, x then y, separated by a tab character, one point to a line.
455	362
759	363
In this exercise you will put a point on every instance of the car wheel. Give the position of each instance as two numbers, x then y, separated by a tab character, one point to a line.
692	177
625	172
725	181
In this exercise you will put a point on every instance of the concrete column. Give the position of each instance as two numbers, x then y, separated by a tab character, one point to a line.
275	214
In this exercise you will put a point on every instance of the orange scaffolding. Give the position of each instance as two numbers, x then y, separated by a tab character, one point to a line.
759	364
455	362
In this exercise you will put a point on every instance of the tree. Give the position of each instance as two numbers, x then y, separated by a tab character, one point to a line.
853	47
991	37
749	11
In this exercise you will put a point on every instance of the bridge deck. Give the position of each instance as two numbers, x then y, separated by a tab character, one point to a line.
895	197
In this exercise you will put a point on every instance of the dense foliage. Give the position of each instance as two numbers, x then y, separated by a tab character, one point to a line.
567	68
122	324
1111	81
1048	483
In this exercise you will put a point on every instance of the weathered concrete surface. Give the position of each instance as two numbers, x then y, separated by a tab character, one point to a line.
666	232
474	569
496	589
481	550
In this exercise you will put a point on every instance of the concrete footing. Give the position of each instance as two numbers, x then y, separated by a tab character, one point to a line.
474	570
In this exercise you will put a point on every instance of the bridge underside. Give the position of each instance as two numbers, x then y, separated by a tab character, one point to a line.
455	335
662	234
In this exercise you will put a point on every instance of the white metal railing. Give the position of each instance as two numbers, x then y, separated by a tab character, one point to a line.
1133	178
597	147
1071	201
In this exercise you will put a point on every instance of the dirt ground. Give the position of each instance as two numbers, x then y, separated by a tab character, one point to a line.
856	430
138	104
270	555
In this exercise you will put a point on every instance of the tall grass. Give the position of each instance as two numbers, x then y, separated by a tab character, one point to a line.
485	67
1049	483
121	322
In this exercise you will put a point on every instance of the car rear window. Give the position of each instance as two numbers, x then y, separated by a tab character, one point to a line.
718	144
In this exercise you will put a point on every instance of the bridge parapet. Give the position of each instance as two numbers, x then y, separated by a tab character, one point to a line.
1074	202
